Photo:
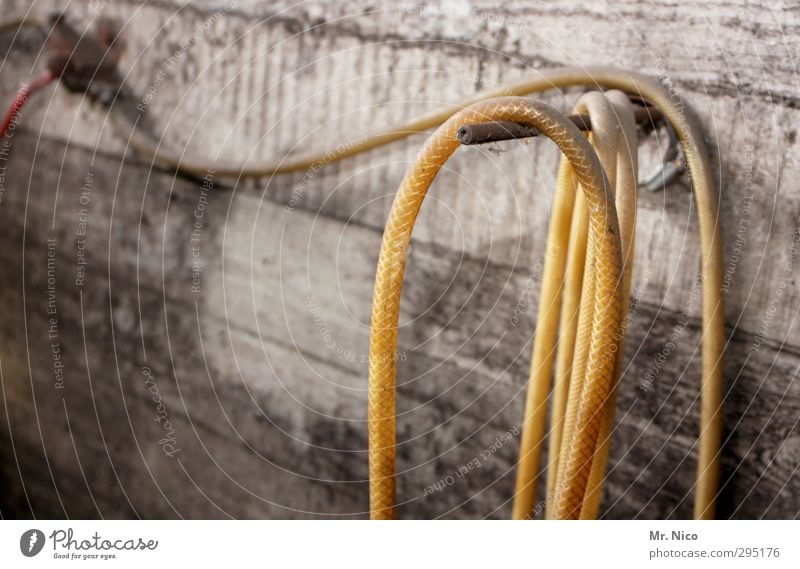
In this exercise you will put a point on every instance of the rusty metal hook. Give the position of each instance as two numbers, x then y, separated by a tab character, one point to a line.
672	163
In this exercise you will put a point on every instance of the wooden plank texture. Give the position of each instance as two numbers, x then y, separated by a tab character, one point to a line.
245	313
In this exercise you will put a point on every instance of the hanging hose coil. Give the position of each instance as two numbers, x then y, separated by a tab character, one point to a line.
603	239
581	466
614	138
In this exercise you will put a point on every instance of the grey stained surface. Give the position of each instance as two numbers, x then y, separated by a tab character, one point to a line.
214	343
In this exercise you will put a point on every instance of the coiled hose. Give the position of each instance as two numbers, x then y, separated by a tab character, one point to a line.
576	475
614	138
604	242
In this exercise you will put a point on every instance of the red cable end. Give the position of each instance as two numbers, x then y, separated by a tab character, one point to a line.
22	96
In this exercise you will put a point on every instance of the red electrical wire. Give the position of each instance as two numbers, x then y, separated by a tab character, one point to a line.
23	94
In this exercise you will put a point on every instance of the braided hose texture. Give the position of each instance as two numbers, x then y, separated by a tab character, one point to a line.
603	237
567	338
625	200
586	406
604	138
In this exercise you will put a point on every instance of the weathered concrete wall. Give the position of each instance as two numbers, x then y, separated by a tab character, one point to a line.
259	361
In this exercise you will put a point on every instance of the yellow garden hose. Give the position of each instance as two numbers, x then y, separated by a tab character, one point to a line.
625	200
603	138
614	138
575	258
20	23
603	239
575	463
567	195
